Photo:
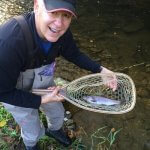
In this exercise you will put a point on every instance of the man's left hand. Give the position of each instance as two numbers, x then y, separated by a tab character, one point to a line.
110	80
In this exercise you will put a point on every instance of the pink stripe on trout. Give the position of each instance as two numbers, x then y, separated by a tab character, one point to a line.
98	100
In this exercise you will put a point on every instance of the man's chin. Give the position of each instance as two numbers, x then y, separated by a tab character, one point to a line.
52	39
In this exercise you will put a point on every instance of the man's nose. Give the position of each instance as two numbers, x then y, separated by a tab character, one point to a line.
59	21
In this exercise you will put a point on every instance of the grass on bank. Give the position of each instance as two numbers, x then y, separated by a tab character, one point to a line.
101	139
10	135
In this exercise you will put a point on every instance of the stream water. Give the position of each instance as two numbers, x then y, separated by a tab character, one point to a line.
117	33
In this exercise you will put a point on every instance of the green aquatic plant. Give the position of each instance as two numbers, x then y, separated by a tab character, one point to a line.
106	141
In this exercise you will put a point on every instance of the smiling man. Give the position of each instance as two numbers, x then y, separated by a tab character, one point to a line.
51	20
22	70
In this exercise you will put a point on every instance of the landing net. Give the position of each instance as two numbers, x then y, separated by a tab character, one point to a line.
96	85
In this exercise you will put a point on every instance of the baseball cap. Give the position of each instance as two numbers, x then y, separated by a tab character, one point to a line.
66	5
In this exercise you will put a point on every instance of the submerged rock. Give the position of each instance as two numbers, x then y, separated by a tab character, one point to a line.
147	145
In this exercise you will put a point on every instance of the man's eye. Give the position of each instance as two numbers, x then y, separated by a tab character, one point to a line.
67	15
54	13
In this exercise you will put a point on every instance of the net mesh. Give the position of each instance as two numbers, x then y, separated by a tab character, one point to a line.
96	85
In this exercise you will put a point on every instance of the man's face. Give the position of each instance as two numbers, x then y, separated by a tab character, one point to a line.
50	25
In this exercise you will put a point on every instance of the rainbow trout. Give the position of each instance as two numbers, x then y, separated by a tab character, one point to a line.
98	100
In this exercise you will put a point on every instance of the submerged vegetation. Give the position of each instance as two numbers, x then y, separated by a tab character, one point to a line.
104	141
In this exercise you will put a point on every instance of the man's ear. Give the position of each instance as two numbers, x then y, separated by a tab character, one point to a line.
36	5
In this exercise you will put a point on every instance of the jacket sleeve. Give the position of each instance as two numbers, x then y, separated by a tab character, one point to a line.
72	53
10	65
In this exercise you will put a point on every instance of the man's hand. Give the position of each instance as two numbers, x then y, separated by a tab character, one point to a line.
110	80
53	96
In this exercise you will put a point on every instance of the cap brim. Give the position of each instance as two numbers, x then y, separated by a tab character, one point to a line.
53	5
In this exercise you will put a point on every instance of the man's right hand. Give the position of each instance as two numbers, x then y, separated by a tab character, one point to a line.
53	96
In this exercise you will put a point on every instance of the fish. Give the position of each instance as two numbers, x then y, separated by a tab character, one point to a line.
99	100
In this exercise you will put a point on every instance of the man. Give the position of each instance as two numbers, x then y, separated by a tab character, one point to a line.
19	73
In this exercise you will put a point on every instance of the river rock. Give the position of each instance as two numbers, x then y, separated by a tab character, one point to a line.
147	145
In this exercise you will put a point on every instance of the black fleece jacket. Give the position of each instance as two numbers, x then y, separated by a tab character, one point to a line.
15	59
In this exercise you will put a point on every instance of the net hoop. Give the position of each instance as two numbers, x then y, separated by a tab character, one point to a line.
128	108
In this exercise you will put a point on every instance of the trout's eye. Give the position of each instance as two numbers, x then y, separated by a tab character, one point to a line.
93	100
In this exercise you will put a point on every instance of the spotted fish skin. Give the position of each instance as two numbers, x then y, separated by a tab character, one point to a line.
98	100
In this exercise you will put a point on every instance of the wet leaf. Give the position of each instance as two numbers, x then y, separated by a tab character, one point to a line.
8	139
2	123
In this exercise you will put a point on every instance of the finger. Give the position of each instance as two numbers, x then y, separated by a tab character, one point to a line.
112	85
59	97
55	91
115	86
51	88
114	82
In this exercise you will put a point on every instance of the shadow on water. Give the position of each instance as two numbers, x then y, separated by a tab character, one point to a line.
116	32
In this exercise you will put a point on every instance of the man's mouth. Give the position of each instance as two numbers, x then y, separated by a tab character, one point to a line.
53	30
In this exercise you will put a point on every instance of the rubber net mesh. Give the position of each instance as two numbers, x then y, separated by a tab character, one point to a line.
94	85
